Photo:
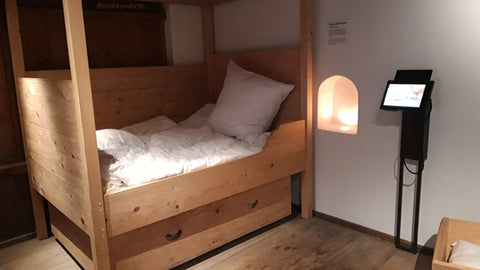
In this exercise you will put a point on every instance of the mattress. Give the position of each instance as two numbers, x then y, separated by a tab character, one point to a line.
159	148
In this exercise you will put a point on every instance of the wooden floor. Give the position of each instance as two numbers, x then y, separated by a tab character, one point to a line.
297	244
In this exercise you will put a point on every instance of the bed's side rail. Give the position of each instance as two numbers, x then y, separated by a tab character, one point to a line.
281	65
123	96
53	147
60	74
282	156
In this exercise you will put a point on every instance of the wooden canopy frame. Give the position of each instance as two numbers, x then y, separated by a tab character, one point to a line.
79	81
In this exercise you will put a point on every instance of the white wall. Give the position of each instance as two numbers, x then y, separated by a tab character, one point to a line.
183	31
355	174
256	25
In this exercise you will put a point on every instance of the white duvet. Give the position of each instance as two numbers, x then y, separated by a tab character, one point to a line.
159	148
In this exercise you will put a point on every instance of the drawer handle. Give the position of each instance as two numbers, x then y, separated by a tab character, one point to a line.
252	205
171	237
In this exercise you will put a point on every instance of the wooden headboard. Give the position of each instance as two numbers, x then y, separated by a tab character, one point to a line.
124	96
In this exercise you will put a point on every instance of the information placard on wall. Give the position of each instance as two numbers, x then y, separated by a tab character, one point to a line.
337	32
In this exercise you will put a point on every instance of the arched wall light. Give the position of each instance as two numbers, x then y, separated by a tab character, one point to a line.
338	105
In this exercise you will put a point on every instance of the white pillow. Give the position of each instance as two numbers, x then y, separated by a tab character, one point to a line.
465	253
247	104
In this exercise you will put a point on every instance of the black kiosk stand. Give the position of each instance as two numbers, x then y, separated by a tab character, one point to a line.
410	93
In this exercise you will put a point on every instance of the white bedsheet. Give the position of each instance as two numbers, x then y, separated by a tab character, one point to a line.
159	148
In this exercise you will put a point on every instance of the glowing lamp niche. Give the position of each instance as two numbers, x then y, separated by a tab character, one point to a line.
338	105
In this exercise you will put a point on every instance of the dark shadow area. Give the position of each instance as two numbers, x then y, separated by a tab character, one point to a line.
424	259
69	254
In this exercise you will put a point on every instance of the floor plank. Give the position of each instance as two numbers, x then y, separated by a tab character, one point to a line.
295	245
34	254
313	244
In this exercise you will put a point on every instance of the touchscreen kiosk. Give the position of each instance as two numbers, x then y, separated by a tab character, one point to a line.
410	93
406	96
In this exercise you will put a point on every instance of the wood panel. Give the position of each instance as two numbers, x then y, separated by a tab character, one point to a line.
16	219
8	151
124	96
280	65
65	162
169	255
59	153
72	237
125	38
284	154
43	38
63	194
53	148
72	248
198	220
114	38
48	104
61	74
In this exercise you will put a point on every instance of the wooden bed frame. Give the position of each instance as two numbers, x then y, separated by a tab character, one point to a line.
168	222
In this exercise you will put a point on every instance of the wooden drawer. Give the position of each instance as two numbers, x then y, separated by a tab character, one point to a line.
177	239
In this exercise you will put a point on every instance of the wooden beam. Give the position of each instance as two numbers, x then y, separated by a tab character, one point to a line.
77	51
208	43
306	25
8	83
190	2
15	39
13	169
18	67
184	2
216	2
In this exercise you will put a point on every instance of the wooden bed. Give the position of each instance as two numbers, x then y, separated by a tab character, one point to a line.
168	222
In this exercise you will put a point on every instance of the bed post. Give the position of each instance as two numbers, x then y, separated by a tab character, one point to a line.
208	43
80	72
18	66
306	10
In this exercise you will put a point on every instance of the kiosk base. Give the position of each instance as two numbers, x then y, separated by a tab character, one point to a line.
418	188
